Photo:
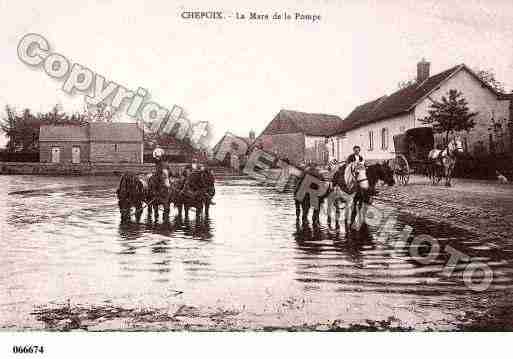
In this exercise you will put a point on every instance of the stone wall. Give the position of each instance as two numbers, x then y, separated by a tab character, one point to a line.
76	169
45	151
116	152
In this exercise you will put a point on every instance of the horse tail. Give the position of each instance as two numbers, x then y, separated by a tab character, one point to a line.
130	188
123	188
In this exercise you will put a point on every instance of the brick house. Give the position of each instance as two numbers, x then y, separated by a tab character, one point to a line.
301	137
373	124
96	142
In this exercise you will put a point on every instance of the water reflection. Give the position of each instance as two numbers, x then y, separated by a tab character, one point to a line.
67	231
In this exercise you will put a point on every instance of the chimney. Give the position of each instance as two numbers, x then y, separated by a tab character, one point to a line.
422	70
251	135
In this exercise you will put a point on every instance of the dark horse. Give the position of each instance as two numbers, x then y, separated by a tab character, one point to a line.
160	192
362	184
132	192
154	189
197	191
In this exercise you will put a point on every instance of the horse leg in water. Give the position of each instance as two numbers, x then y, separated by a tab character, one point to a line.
186	209
125	215
179	205
316	212
358	200
167	209
150	211
138	211
199	210
337	212
298	209
155	205
315	216
207	207
124	210
305	207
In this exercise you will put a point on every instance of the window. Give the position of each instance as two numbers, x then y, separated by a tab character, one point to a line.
384	138
371	140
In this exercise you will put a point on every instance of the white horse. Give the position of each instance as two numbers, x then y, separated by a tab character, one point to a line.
445	160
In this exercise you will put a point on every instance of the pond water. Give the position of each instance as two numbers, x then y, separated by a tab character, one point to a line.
62	243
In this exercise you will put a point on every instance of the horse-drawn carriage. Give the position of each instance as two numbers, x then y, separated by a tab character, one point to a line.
411	153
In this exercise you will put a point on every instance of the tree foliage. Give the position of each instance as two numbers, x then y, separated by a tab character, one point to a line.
403	84
450	114
488	76
22	129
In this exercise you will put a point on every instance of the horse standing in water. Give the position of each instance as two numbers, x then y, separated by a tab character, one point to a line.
304	205
445	160
159	193
154	189
132	192
361	181
355	179
197	191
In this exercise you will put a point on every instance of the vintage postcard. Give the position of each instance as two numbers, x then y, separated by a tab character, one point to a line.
271	166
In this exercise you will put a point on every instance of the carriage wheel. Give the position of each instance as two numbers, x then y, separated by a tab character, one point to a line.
401	170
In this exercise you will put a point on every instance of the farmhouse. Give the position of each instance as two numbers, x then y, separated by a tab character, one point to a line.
97	142
373	124
301	137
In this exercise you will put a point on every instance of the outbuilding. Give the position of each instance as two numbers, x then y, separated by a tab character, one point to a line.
97	142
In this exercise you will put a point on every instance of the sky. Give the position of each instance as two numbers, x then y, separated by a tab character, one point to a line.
238	74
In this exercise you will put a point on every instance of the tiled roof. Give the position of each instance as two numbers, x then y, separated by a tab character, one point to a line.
63	133
399	102
311	124
95	132
115	132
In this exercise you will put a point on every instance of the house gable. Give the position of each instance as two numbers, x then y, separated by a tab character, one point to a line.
281	124
480	98
309	124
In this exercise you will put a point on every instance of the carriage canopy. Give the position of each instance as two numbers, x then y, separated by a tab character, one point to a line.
415	143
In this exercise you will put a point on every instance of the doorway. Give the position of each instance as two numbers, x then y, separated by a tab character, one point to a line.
56	154
75	155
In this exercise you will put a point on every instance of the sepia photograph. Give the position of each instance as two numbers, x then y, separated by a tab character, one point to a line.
266	167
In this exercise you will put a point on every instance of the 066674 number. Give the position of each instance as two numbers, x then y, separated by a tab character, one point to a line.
28	349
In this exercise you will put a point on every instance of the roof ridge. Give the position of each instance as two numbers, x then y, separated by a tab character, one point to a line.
399	101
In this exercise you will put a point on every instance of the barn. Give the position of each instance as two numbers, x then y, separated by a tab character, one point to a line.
97	142
301	137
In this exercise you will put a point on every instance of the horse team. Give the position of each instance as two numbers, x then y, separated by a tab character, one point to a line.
353	178
195	189
191	189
